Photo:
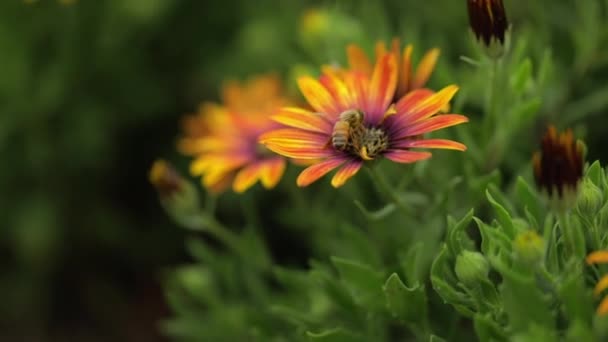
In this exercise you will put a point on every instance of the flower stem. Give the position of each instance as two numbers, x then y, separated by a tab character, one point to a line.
380	180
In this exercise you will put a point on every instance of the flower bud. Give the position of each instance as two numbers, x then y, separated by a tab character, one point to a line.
489	23
529	247
471	267
590	199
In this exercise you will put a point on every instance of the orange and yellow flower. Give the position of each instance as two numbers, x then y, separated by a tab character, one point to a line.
409	78
384	128
600	257
223	138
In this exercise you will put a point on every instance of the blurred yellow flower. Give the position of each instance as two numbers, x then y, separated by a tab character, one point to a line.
223	138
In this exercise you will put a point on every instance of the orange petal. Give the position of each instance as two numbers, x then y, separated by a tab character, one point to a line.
297	143
431	143
345	172
357	60
358	84
382	87
430	125
272	170
601	285
317	96
314	172
405	73
247	177
425	68
214	162
401	156
338	90
602	309
304	119
427	106
598	257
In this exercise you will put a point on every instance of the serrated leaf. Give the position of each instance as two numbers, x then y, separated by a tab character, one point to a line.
492	238
407	304
488	330
334	335
411	264
457	238
502	215
528	198
362	280
521	77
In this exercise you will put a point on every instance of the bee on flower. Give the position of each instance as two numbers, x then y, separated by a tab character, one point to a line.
381	127
223	138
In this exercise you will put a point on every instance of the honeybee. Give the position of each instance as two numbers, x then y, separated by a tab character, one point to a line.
350	121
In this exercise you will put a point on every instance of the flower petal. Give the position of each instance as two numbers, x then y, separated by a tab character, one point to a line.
314	172
597	257
426	106
601	285
272	170
430	143
602	309
358	84
304	119
348	170
401	156
206	163
317	95
425	68
339	91
357	60
247	177
405	73
429	125
382	88
297	143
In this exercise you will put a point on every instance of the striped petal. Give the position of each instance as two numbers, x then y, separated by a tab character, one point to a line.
598	257
357	60
601	285
272	170
297	143
430	143
347	171
358	84
425	68
429	125
247	177
401	156
314	172
426	106
304	119
405	72
382	88
337	88
317	95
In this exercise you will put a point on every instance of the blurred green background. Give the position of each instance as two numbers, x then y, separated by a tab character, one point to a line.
91	92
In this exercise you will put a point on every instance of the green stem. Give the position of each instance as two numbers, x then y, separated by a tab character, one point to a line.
380	180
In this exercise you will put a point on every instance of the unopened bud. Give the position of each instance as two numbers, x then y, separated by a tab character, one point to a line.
489	23
471	267
529	247
590	199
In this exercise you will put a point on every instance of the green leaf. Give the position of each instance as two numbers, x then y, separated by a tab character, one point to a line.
520	78
579	331
524	303
376	215
435	338
502	215
575	296
487	329
492	239
412	264
364	283
594	172
407	304
334	335
525	112
458	240
441	275
295	317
